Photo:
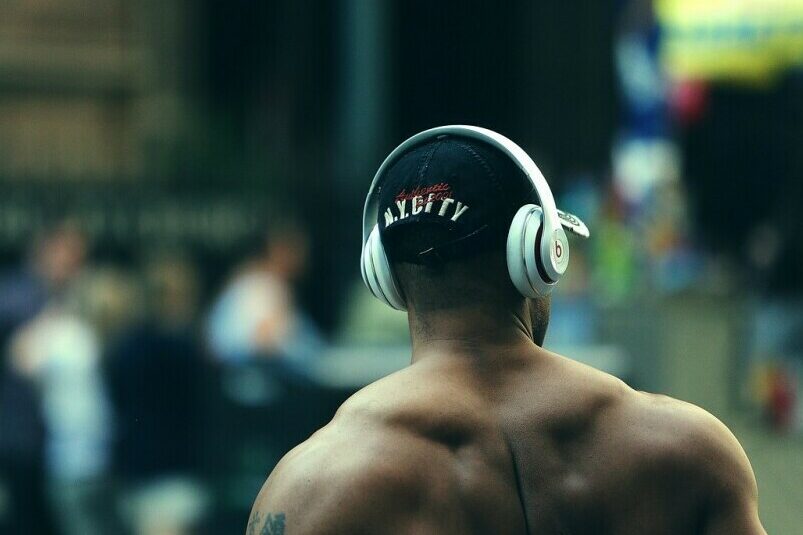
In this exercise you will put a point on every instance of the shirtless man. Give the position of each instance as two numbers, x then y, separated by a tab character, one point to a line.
486	431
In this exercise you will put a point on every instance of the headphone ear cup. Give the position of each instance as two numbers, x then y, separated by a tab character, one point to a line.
384	274
516	266
533	237
524	252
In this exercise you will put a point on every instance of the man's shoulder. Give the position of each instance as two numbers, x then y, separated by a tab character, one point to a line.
683	438
388	455
657	426
362	469
675	424
686	457
359	452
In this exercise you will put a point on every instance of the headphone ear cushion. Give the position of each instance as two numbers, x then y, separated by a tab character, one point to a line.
384	274
516	266
369	270
363	271
533	237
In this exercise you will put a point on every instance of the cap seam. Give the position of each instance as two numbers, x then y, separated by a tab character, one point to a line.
489	171
428	158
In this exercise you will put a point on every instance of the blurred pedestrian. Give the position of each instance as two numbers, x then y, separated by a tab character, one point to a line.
265	347
59	351
49	268
257	315
155	371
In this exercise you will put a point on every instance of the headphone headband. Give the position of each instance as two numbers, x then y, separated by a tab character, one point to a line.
516	153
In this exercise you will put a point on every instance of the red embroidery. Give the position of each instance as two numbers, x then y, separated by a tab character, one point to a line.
438	191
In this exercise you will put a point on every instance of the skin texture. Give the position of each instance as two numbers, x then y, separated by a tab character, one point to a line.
486	432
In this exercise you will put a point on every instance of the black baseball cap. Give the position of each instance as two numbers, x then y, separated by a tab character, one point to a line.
452	196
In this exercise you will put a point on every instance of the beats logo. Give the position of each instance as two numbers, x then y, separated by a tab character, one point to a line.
559	252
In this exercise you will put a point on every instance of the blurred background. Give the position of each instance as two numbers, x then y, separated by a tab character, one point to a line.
183	181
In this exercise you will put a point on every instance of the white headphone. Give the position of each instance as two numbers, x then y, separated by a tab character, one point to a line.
537	247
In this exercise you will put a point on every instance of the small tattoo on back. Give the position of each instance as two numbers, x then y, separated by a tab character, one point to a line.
269	524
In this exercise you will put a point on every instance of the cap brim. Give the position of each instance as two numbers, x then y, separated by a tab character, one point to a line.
573	224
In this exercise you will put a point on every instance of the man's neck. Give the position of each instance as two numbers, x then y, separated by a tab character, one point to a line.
473	330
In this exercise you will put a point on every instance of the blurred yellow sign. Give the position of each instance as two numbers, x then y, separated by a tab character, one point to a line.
749	40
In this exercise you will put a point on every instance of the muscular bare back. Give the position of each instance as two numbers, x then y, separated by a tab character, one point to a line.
537	444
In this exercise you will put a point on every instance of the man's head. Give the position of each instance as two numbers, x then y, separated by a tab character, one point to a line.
282	249
60	252
445	208
465	205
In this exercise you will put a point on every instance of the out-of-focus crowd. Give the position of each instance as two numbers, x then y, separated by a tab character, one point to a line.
128	407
